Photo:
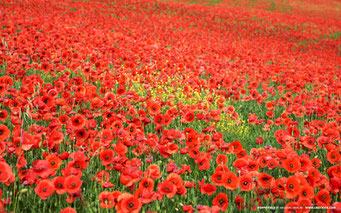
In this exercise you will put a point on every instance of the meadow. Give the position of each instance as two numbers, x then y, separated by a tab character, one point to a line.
170	106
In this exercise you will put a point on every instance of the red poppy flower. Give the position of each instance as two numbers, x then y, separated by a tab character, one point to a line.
167	188
59	185
222	201
307	192
159	119
246	183
78	121
237	146
145	196
132	129
116	194
121	90
291	207
120	149
153	171
240	202
265	180
333	156
69	170
192	140
55	137
2	147
5	172
147	184
54	161
221	159
42	168
154	108
68	210
305	204
44	189
335	208
241	154
316	162
309	142
128	203
78	163
72	184
3	114
204	164
206	188
107	200
188	208
230	181
222	168
239	163
262	161
217	178
107	156
21	162
259	140
292	164
4	132
189	117
252	166
176	179
322	198
305	164
292	187
81	134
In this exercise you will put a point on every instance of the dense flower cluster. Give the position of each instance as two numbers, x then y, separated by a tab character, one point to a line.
144	106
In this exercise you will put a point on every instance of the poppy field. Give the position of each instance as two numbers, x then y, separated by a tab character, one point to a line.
170	106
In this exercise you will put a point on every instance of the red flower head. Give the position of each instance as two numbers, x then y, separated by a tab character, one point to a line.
107	200
189	117
217	178
6	173
307	192
147	184
322	198
154	108
128	203
246	183
59	185
265	180
42	168
237	146
292	187
206	188
68	210
240	202
153	172
292	164
55	162
107	156
3	114
188	208
159	119
333	156
44	189
204	163
335	208
222	201
4	132
78	121
230	181
221	159
167	188
72	184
